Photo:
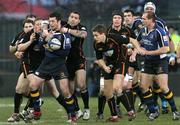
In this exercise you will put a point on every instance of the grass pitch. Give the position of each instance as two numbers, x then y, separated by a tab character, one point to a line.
54	114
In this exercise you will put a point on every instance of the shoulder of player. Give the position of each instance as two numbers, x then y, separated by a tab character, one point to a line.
81	27
137	20
160	30
98	46
160	22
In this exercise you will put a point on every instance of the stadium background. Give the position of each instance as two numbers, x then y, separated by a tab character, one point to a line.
92	12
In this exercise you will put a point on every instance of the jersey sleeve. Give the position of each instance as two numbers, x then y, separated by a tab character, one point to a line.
16	38
162	38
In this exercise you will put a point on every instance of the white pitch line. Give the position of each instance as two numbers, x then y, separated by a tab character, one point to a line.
9	105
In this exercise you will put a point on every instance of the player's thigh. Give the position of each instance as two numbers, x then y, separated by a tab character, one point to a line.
162	80
22	84
118	82
108	88
81	78
146	81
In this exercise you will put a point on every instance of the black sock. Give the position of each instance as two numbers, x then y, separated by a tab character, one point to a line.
156	91
130	97
101	104
61	101
124	100
17	102
170	98
149	101
85	98
138	91
29	102
112	106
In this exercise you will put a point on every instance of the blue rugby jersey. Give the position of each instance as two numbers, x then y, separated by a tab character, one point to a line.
153	40
63	52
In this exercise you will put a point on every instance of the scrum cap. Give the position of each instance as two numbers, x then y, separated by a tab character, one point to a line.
151	5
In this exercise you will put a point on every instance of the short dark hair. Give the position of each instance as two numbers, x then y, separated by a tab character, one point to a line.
28	21
56	15
129	11
76	12
100	28
31	16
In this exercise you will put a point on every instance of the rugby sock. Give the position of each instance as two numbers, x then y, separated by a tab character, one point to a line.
101	104
156	90
85	98
112	106
76	102
124	100
70	103
61	101
35	96
17	102
170	99
149	101
155	95
138	91
29	104
130	97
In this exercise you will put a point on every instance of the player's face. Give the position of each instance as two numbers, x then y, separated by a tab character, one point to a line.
54	23
73	19
27	27
149	9
128	18
145	20
37	26
117	20
98	37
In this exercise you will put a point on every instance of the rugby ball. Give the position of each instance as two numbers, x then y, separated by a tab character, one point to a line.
54	44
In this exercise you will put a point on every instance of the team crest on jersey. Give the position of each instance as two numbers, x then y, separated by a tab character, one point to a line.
109	53
151	36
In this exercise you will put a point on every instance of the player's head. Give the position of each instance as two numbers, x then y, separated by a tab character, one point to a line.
74	18
117	18
28	25
37	25
148	18
150	7
31	17
128	17
55	20
99	32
